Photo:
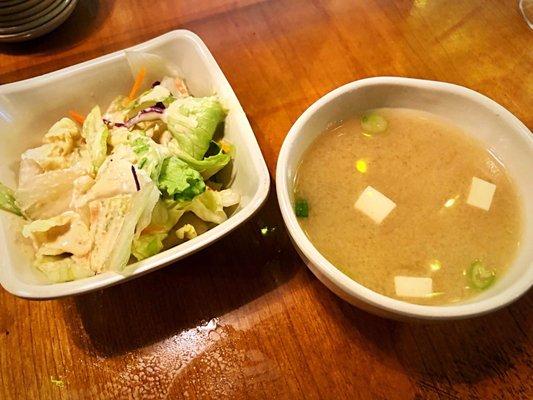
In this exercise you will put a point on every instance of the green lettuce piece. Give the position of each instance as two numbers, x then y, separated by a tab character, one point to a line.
147	245
119	103
95	133
62	269
209	206
118	109
7	200
158	94
180	181
192	122
64	233
149	156
207	167
187	231
113	225
164	216
65	130
48	194
161	221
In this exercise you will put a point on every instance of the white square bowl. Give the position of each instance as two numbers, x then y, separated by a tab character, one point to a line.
28	108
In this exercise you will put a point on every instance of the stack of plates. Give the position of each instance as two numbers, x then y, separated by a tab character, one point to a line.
27	19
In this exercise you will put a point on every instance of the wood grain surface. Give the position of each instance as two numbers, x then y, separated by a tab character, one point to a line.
245	318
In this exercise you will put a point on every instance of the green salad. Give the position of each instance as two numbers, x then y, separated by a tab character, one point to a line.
124	184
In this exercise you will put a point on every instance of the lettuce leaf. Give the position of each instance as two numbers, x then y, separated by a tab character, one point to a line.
95	133
48	157
118	109
59	151
147	245
65	233
47	195
7	200
187	231
148	153
164	217
192	121
116	176
146	216
158	94
63	269
180	181
176	86
63	133
113	223
207	167
209	206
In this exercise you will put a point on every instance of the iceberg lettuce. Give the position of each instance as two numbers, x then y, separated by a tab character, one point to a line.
187	231
113	223
193	121
117	111
158	94
180	181
149	155
65	233
64	133
7	200
147	245
59	151
207	167
95	133
47	195
63	269
163	218
209	206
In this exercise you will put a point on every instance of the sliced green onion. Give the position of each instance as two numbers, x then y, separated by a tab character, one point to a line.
479	276
301	208
373	124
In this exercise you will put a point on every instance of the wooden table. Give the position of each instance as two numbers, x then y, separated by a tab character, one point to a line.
245	318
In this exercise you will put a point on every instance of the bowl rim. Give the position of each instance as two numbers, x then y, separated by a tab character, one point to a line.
110	278
327	270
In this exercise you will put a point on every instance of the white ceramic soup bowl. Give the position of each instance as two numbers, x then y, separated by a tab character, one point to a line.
502	133
28	109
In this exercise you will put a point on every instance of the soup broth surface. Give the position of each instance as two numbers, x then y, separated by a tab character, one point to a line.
425	165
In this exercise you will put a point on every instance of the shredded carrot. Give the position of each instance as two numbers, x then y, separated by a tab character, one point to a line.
77	117
225	146
138	82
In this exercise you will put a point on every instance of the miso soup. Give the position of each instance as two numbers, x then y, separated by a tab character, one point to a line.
408	205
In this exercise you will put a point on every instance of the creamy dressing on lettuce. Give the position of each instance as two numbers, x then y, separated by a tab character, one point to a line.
116	186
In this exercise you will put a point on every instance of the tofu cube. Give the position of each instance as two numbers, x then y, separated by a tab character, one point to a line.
374	204
412	286
481	193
